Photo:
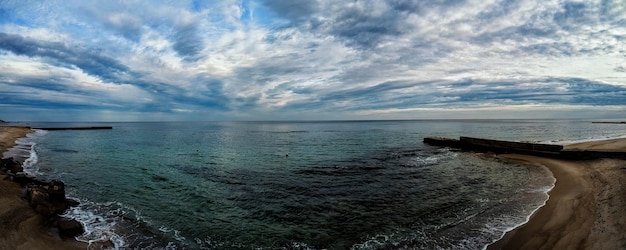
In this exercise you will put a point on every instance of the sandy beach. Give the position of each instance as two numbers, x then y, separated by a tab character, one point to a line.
614	145
20	226
585	209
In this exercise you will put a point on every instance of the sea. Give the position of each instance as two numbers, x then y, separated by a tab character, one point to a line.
296	185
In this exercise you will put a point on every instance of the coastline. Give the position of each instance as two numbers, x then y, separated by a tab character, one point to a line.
585	209
598	226
20	226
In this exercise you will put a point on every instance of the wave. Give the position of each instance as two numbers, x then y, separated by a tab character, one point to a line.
507	229
99	230
590	139
432	158
100	222
24	151
30	164
113	225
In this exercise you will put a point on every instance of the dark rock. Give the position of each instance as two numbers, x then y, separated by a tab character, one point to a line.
37	181
56	189
10	164
42	202
37	195
26	180
72	202
44	208
101	244
38	198
49	209
69	228
59	207
22	178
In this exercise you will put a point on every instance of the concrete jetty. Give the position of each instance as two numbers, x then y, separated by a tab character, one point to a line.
76	128
498	146
610	122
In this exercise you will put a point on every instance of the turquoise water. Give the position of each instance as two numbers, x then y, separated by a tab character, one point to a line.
304	185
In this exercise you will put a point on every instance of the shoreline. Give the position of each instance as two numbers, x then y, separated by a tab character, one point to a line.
585	207
21	227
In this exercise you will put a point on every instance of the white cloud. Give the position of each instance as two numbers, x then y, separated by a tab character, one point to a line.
251	56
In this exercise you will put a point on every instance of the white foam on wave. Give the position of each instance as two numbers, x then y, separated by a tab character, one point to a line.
107	224
39	133
20	151
504	230
30	164
590	139
444	153
375	242
25	151
177	235
99	228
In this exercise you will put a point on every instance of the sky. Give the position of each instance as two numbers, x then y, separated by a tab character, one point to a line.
75	60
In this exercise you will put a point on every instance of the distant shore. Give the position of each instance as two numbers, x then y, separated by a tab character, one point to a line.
586	208
21	227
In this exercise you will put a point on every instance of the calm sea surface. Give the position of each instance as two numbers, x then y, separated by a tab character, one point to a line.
302	185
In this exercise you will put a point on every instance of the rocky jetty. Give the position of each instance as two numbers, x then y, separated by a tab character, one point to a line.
47	198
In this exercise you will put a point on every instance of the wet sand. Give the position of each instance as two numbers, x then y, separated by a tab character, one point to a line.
586	206
615	145
585	209
20	226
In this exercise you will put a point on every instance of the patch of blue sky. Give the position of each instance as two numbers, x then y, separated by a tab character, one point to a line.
242	57
197	5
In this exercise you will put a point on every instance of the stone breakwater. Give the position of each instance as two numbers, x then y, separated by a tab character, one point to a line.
546	150
75	128
47	198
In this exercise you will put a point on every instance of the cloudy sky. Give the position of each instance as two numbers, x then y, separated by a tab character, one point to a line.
311	59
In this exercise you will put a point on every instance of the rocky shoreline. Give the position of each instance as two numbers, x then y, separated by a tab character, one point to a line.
31	208
47	198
